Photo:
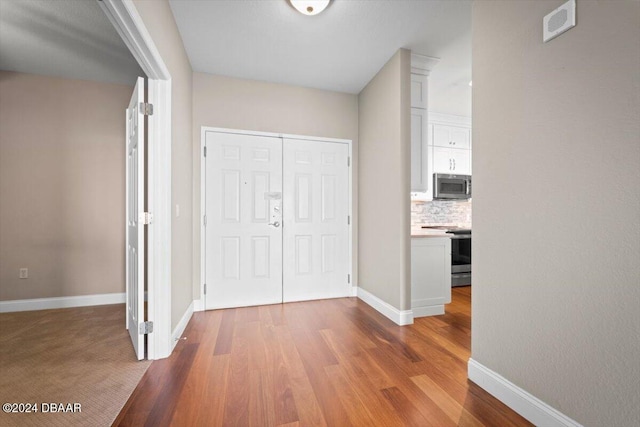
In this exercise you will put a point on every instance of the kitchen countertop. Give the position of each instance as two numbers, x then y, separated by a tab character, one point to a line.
427	232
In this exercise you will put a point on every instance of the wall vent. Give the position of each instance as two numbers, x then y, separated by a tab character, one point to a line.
559	21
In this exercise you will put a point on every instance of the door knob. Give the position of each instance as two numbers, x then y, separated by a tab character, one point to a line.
275	224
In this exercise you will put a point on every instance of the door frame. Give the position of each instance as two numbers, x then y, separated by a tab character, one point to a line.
126	20
203	211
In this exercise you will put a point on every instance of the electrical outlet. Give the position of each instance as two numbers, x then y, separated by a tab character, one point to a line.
24	273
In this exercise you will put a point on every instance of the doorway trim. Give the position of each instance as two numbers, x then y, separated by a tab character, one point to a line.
126	20
201	306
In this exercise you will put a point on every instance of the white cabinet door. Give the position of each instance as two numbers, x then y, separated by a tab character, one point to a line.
243	230
430	275
461	161
451	136
451	160
419	90
420	181
316	223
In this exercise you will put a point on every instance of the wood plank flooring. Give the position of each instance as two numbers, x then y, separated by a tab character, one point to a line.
318	363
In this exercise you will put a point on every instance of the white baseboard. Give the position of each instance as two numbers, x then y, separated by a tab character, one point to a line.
400	317
61	302
431	310
521	401
182	324
198	305
354	291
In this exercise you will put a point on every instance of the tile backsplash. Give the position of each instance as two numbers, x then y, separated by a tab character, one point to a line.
441	212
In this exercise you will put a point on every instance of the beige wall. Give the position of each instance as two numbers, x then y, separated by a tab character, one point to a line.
251	105
158	19
62	189
556	208
384	187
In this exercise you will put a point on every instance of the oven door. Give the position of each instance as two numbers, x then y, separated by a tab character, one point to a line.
460	260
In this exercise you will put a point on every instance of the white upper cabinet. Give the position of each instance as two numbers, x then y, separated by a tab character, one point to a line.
453	161
450	144
451	136
420	154
419	151
419	90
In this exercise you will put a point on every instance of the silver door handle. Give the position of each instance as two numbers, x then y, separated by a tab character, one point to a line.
275	224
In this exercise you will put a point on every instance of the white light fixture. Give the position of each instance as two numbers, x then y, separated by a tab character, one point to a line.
310	7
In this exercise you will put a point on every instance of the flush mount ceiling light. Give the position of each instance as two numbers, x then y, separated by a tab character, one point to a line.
310	7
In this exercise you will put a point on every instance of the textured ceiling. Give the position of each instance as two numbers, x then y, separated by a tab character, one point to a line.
340	49
63	38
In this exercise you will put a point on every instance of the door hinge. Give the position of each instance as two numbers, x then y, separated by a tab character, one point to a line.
205	151
348	278
348	219
146	108
348	161
146	328
205	288
204	220
145	218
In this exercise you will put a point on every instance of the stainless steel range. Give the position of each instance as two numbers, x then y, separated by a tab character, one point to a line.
460	254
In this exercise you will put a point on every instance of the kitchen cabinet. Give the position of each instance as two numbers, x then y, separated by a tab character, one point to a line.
419	90
430	275
451	136
451	160
420	161
419	151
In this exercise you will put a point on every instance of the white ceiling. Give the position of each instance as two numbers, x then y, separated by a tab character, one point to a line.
340	49
63	38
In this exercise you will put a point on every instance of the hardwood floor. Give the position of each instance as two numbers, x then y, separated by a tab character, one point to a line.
318	363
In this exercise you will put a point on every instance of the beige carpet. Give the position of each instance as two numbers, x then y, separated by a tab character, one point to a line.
75	355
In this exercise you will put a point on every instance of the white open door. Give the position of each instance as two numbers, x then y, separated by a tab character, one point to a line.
244	218
135	218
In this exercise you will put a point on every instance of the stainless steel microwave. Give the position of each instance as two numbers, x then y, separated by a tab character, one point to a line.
451	187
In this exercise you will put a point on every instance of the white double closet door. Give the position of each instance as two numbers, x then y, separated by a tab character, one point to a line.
277	220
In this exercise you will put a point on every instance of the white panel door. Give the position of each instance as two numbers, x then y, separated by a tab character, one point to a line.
134	212
316	209
244	217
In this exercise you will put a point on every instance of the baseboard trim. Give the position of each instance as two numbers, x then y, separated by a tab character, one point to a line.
198	305
431	310
521	401
354	291
182	324
399	317
61	302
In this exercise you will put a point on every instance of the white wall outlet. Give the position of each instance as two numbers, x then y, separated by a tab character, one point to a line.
24	273
559	21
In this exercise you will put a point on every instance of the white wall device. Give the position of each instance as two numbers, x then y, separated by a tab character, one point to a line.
559	21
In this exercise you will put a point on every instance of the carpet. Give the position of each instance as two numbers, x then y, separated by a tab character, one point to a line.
67	356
